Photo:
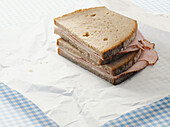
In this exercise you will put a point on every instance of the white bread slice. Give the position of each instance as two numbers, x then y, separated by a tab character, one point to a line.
100	29
113	68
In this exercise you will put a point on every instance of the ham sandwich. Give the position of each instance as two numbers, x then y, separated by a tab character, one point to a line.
116	59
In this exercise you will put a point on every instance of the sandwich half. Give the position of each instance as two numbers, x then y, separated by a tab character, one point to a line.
104	42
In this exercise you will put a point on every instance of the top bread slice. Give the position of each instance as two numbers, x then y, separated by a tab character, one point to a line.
102	30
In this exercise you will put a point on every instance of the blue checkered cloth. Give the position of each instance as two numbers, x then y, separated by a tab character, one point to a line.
156	114
18	111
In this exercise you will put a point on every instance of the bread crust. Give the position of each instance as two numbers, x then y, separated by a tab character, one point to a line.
75	12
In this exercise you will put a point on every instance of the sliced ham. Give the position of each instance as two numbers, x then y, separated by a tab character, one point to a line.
147	44
139	42
149	55
139	65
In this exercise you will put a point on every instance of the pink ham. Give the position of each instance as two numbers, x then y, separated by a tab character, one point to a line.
139	65
138	43
149	55
147	44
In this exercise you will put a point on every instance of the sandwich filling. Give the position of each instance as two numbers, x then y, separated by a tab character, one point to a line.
148	57
115	67
138	43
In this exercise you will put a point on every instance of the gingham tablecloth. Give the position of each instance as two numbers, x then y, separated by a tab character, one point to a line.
16	110
153	115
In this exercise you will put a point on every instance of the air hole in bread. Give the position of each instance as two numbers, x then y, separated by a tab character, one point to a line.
86	34
117	30
105	39
93	15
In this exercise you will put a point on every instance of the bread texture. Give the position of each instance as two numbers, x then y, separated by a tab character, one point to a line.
111	79
113	68
100	29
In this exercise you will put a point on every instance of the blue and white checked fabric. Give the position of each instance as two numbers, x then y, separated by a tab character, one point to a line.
18	111
153	115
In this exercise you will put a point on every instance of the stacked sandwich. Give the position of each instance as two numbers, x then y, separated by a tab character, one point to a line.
104	42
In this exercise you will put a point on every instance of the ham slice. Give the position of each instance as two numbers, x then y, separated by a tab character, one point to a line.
139	42
148	54
148	57
139	65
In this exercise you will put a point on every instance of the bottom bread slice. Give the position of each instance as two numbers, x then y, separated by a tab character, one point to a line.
88	66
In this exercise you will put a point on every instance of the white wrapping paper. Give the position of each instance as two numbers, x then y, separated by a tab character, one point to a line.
70	95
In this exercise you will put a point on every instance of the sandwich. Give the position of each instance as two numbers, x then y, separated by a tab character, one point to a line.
104	42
